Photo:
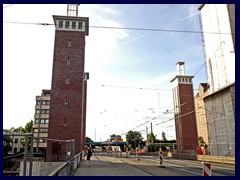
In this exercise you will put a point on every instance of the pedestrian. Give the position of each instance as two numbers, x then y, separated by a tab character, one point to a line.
89	154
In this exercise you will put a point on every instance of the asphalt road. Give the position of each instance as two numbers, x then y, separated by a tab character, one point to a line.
102	165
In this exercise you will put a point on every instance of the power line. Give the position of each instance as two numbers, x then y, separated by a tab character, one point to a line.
128	28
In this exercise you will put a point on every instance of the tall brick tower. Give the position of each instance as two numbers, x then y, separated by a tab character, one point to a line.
68	99
184	110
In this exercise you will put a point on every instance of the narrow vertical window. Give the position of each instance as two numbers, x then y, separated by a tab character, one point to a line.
68	61
65	121
60	25
73	25
69	43
67	24
79	25
67	80
66	100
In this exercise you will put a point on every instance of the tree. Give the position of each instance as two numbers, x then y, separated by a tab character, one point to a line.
164	136
87	139
151	138
201	142
28	127
134	138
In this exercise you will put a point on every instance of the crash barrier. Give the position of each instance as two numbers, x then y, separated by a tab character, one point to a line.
207	171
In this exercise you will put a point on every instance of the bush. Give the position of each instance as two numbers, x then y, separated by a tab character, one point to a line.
154	147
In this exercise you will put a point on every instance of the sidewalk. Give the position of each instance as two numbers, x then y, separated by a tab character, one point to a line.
107	166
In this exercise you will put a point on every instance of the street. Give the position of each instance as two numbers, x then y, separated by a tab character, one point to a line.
102	165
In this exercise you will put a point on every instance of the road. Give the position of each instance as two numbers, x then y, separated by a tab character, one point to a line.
148	166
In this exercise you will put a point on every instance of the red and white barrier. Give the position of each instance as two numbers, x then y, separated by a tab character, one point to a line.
207	170
161	158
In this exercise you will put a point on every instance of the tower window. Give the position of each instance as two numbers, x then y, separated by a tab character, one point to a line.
79	25
67	24
66	100
67	80
68	61
60	25
65	121
69	43
73	25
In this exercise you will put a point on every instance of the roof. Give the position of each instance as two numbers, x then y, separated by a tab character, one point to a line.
205	86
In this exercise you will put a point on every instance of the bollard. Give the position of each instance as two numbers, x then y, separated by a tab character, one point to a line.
137	155
207	171
161	158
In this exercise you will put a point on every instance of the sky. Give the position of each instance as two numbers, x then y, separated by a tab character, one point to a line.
130	70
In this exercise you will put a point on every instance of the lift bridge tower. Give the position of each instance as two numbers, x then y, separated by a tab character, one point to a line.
67	115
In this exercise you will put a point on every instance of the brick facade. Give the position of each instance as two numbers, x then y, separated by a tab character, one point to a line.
67	92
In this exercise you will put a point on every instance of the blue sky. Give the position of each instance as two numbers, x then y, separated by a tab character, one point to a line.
115	58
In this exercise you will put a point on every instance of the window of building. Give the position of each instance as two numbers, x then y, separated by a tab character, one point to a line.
44	102
38	102
37	111
36	121
68	61
66	100
48	102
183	79
79	25
69	43
42	121
47	111
60	25
65	121
67	24
46	121
43	130
16	141
43	111
35	130
73	25
67	80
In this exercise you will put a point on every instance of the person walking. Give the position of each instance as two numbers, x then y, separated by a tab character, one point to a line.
89	154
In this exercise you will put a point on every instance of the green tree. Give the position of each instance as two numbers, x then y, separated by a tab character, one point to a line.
201	142
6	143
88	139
134	138
164	136
151	138
28	127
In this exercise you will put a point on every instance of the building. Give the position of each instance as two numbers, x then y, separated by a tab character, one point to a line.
218	25
41	121
68	97
184	111
201	112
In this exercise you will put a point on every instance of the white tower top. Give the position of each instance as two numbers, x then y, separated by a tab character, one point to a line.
180	68
72	10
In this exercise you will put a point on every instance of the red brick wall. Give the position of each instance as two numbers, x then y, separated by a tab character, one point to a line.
187	119
73	91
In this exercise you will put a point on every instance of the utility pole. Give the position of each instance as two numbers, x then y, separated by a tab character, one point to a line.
151	134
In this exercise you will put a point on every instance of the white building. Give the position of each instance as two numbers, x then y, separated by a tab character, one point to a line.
218	25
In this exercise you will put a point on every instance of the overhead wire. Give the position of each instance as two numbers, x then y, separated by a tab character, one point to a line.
128	28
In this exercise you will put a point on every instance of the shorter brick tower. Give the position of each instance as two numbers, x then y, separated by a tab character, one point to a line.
184	110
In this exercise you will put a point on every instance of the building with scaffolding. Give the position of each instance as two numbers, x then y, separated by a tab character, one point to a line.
218	30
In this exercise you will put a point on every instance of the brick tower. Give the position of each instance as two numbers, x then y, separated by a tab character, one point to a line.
184	111
68	100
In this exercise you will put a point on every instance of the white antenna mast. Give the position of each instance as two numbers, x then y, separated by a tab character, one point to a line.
72	10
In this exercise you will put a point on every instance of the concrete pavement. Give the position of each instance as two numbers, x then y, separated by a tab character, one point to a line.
107	166
116	166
